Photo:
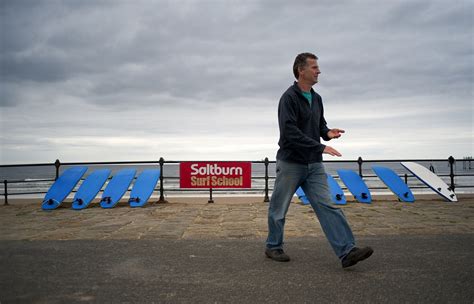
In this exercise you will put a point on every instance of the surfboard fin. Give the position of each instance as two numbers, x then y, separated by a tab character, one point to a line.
51	202
106	199
364	195
405	194
338	197
134	199
79	201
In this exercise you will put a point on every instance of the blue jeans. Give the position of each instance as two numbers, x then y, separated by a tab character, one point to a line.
312	178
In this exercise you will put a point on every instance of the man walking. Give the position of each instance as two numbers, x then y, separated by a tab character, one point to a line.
299	163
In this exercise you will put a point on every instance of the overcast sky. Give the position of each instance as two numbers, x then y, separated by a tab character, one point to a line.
188	80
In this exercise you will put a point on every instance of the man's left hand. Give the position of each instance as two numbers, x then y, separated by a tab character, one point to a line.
335	133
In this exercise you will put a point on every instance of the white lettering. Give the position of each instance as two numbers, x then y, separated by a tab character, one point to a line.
215	170
194	170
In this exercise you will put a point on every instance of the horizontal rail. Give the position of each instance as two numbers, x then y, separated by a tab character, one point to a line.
224	161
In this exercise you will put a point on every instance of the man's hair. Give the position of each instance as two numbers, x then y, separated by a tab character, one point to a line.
300	62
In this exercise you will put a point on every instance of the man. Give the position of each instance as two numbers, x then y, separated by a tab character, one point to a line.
299	163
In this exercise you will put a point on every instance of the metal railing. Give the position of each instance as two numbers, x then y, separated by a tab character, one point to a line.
161	163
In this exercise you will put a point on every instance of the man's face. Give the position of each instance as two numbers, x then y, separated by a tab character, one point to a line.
311	71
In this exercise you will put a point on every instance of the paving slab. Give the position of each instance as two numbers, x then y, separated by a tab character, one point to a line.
228	218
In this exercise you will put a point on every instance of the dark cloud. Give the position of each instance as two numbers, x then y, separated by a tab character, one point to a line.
136	60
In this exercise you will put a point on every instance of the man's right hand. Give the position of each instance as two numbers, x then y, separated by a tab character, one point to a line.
331	151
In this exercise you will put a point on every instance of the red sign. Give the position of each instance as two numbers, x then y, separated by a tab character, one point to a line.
215	175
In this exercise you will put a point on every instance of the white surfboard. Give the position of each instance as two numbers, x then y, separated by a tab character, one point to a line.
431	180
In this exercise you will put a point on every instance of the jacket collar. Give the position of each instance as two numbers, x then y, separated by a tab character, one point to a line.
297	89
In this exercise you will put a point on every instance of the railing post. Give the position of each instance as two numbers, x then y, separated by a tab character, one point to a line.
210	201
266	199
360	161
451	174
162	190
57	164
6	193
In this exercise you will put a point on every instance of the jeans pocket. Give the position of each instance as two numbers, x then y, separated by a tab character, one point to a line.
278	167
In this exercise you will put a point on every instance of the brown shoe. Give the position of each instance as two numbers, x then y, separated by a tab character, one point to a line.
277	255
356	255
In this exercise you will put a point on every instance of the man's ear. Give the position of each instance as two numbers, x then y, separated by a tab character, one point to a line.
300	69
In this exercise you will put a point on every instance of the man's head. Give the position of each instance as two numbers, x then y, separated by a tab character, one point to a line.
306	63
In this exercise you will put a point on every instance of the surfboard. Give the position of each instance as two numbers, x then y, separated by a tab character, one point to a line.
117	187
431	180
143	187
61	188
337	194
356	185
89	188
394	183
302	196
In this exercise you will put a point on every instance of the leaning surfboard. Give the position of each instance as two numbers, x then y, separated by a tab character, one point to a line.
89	188
143	187
337	194
62	187
431	180
302	196
356	185
394	183
117	187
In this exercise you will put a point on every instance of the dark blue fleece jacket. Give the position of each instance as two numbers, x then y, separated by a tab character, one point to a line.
301	127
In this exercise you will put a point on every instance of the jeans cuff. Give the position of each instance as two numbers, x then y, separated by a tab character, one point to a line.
346	252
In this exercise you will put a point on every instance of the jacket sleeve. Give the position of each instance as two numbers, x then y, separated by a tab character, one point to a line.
323	128
289	128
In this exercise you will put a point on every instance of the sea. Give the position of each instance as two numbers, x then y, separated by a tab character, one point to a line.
32	181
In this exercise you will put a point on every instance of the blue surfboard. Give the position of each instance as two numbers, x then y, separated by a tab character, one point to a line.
62	187
89	188
302	196
394	183
356	185
117	187
337	194
143	187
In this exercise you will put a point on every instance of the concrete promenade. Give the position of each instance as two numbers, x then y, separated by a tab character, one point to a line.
193	252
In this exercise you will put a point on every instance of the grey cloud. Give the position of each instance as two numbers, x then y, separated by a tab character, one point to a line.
176	60
166	46
430	15
219	56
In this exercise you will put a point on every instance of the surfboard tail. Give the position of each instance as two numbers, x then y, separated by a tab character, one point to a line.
50	204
